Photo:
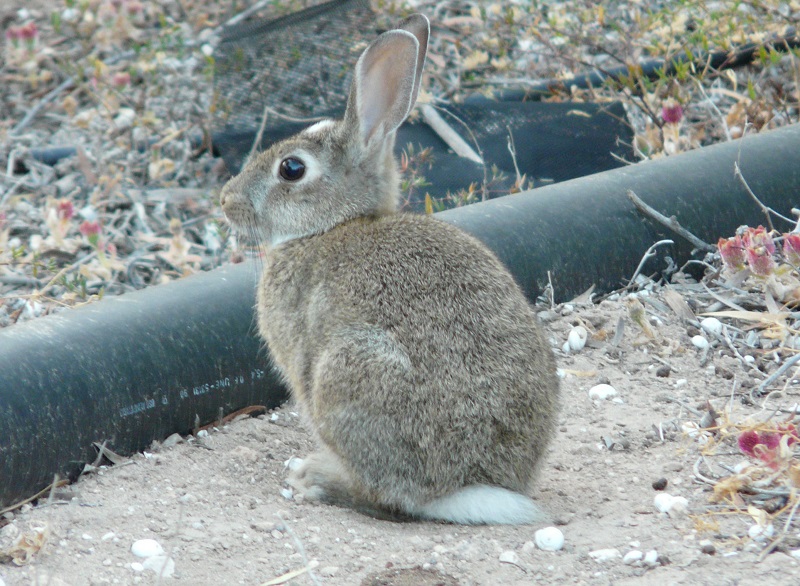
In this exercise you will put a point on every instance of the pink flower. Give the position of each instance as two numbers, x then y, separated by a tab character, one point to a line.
732	252
791	248
12	35
765	445
121	79
30	34
755	237
671	111
759	247
29	31
92	232
65	210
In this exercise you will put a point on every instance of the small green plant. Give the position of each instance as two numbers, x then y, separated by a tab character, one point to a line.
412	164
75	283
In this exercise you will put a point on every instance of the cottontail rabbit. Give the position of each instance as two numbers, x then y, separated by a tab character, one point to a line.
406	343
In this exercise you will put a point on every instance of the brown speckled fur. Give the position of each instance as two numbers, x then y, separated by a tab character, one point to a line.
409	347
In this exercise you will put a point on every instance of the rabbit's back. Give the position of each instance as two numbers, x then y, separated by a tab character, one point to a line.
406	325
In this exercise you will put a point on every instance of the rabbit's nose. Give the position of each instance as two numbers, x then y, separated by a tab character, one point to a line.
223	197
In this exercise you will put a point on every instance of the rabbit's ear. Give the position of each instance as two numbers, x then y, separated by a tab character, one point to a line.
385	84
418	25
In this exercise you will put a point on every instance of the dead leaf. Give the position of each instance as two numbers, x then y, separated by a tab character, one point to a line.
678	304
26	545
585	297
754	316
794	475
475	60
160	167
728	489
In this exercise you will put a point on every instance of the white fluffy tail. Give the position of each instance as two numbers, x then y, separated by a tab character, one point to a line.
481	504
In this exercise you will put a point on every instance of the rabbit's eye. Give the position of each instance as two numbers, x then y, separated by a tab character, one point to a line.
292	169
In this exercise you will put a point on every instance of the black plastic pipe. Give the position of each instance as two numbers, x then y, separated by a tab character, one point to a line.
136	368
651	69
127	370
586	231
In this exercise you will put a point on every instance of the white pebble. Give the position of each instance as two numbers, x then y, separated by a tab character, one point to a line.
795	553
287	493
549	539
137	567
125	119
202	433
577	338
749	359
665	503
32	309
632	557
86	536
108	536
712	325
690	428
145	548
293	463
759	532
329	571
699	342
681	382
651	558
602	391
509	557
604	555
70	15
161	565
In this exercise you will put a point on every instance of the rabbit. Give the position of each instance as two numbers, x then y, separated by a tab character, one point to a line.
406	344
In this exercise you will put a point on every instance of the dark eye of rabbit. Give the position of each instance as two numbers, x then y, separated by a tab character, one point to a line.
292	169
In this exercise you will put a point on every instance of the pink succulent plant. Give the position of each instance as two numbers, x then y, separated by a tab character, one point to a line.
65	210
92	232
765	445
27	34
732	252
791	248
671	111
121	79
759	248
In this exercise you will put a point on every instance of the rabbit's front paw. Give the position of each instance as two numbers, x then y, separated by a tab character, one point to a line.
319	477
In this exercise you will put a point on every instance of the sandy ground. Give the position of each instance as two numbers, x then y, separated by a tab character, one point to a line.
215	504
218	507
